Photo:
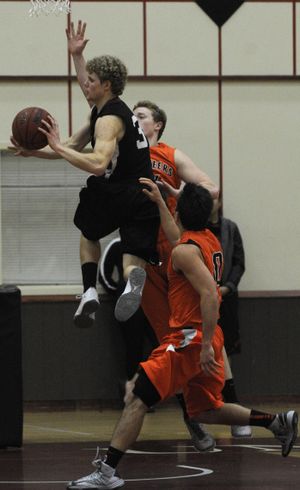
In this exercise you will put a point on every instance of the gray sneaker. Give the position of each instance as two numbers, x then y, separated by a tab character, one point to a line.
85	313
201	440
130	300
285	429
103	477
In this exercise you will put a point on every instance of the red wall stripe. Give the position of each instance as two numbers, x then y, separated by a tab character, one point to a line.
70	119
220	122
145	36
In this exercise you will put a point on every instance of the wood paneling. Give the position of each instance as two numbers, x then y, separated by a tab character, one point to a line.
61	362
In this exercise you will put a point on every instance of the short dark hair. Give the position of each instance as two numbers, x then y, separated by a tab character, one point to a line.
158	114
194	206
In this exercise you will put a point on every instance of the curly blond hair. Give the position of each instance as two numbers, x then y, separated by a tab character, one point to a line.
109	68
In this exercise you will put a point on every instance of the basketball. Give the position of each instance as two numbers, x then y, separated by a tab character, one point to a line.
25	128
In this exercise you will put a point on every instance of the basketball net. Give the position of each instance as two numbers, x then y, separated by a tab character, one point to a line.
47	7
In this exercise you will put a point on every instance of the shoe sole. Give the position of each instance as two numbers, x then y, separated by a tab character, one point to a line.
118	484
84	320
294	436
128	303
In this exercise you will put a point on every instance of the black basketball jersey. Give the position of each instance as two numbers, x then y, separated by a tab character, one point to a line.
131	159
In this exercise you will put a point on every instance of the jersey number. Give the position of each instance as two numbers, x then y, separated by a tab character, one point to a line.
218	266
142	141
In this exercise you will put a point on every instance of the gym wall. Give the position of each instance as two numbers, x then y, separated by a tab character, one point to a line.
231	95
232	99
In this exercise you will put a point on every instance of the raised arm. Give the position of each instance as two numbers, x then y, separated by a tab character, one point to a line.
166	219
76	45
188	171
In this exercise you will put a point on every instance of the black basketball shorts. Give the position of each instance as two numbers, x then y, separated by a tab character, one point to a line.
106	206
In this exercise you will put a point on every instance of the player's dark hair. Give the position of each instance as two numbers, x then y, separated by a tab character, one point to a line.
109	68
194	206
158	114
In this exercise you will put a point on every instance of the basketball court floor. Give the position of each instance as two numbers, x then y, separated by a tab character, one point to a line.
59	446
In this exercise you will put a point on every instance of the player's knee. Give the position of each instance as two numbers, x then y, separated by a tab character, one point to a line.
134	404
145	390
129	391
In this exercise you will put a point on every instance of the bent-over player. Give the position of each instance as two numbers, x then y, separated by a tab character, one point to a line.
193	350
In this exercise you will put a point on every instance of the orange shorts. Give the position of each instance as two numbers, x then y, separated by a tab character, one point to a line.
174	366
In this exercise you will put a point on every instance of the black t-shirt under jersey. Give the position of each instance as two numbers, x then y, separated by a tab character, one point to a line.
131	159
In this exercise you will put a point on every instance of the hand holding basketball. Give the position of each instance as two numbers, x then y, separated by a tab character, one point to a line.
49	127
25	128
19	150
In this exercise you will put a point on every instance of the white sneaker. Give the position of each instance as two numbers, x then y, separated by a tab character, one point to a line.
85	313
241	431
285	429
201	439
103	477
130	300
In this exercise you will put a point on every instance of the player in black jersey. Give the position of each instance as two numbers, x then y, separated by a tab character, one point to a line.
113	197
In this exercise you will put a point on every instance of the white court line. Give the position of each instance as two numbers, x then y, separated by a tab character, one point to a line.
38	427
157	453
203	472
21	482
265	447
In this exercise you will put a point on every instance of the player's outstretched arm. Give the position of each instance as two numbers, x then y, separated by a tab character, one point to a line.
188	171
76	45
19	151
168	224
78	141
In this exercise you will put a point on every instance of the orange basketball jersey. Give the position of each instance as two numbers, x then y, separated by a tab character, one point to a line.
155	293
164	168
183	299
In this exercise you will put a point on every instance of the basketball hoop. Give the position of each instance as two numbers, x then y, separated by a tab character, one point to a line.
47	7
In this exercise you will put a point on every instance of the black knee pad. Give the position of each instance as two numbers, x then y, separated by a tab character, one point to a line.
145	390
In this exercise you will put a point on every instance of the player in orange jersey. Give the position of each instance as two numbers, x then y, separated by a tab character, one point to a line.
173	167
192	350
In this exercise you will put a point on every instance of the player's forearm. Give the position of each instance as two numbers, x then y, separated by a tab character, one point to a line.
206	182
168	224
209	305
45	153
80	68
89	162
213	189
50	154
